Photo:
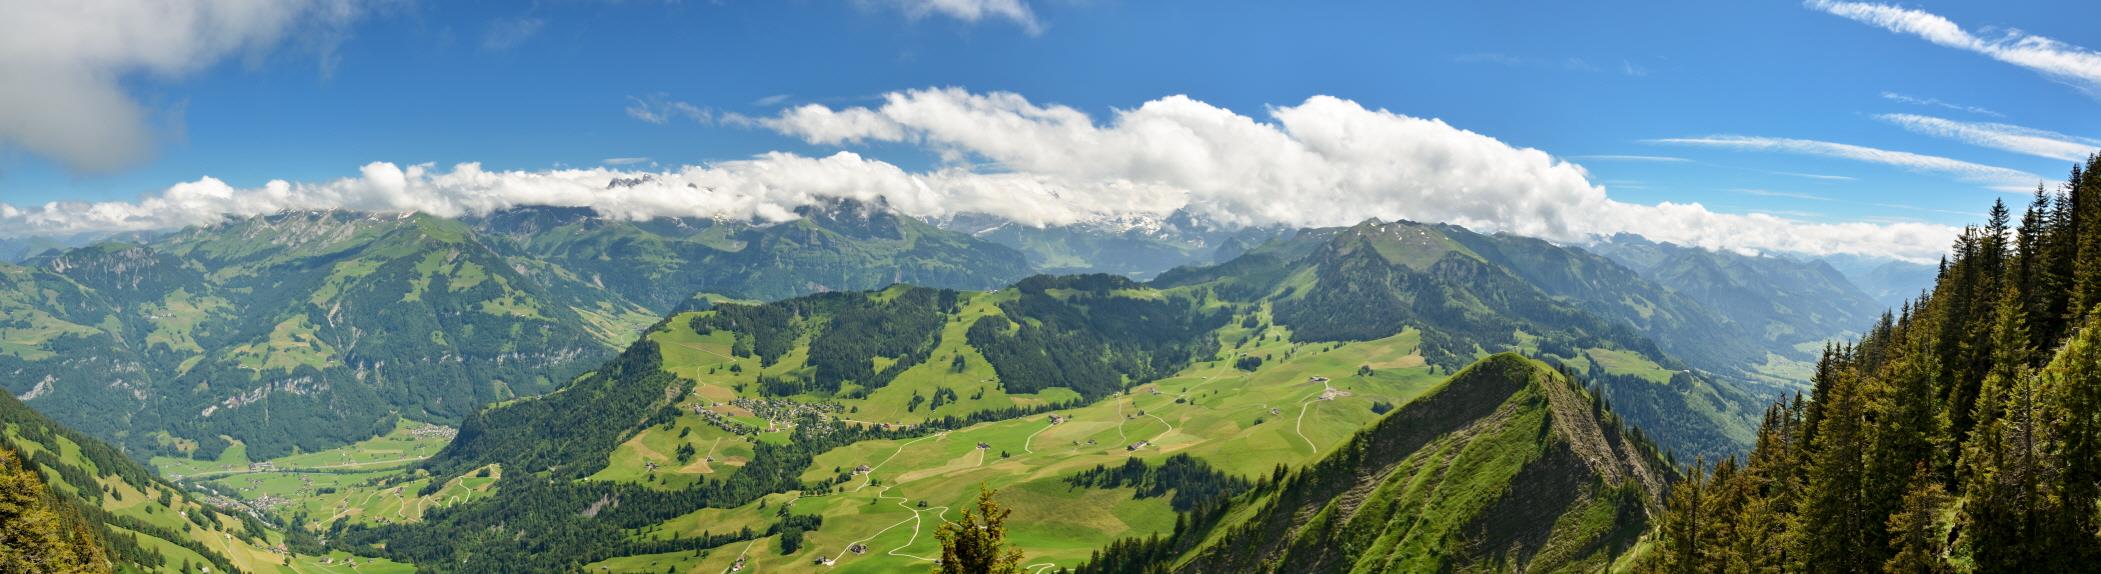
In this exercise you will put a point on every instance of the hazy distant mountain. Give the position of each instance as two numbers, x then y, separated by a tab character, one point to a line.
1133	246
1782	301
1889	282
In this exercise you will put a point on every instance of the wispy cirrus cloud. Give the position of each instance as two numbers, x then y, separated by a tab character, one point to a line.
1489	58
1998	178
2077	66
507	33
1785	194
624	161
1016	11
1816	176
1632	158
2006	137
1937	103
661	109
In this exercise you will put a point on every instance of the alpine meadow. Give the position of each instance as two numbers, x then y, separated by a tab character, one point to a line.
1045	287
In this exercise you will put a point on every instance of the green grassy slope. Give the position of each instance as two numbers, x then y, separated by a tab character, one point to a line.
144	524
1509	465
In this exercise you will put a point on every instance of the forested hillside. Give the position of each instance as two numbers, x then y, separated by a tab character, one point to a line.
1960	433
839	246
305	331
70	503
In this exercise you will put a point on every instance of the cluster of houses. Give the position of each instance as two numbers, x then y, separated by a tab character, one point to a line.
440	432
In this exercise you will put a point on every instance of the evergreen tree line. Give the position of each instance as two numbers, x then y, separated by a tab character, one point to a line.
1961	433
1080	333
1190	480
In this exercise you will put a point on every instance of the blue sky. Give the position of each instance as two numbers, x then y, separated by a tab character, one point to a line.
549	85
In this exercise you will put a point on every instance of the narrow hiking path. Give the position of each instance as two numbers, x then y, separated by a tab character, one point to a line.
870	476
918	524
1120	418
1306	405
1032	438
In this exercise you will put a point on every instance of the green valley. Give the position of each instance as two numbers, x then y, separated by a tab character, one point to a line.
310	330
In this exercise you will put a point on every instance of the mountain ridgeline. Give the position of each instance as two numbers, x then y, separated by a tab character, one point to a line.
1960	433
1508	466
1671	364
303	331
1781	302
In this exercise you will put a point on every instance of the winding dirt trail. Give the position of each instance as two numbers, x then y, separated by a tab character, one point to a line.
1032	438
870	477
1306	405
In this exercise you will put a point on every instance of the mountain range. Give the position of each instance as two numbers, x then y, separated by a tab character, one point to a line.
773	356
308	330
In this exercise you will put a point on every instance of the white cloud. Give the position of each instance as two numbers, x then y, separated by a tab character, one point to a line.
64	65
658	109
2074	65
508	33
821	124
2006	137
1016	11
1999	178
1816	176
1632	158
1324	161
1935	102
624	161
1785	194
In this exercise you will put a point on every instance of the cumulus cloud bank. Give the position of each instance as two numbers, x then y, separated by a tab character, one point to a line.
62	64
1325	161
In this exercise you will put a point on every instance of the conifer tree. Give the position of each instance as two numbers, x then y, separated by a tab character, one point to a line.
34	535
977	543
1916	531
1834	525
1980	401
